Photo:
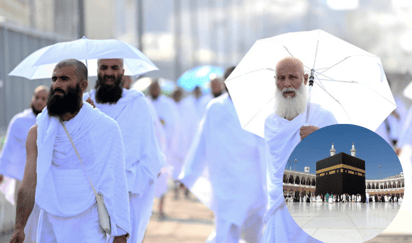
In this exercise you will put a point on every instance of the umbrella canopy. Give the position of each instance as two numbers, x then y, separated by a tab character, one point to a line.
199	76
348	81
40	64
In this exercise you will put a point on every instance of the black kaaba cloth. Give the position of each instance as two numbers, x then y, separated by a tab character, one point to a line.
340	173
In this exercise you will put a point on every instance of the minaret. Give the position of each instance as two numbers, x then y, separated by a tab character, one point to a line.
353	150
332	151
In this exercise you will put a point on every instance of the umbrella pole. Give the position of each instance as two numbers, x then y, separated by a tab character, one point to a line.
311	81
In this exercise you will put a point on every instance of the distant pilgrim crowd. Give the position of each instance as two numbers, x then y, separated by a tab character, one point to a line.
334	198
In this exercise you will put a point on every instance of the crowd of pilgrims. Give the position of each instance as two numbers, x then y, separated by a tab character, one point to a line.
176	120
334	198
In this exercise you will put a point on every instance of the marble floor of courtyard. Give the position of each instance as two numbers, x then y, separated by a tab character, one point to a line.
343	222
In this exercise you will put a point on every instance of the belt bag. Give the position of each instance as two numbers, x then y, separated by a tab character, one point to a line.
104	217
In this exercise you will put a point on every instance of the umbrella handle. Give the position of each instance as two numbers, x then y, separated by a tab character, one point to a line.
311	81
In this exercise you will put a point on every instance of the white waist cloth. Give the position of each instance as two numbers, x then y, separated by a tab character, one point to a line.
84	228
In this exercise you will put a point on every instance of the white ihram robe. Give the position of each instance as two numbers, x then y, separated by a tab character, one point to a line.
169	118
186	130
13	162
225	170
282	136
161	182
142	154
63	192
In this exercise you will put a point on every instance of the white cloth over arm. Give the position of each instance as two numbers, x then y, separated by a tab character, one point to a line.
224	165
62	187
13	154
282	136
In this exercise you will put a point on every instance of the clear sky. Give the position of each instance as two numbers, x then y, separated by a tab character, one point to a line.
369	147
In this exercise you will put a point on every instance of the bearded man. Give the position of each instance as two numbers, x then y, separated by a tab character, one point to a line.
284	129
13	155
130	110
58	181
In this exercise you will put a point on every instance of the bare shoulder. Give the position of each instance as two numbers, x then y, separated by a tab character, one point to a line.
32	132
31	141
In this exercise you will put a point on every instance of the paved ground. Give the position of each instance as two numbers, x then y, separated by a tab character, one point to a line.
343	222
188	220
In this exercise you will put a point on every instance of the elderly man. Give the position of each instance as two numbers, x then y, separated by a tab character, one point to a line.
59	181
13	155
130	110
284	129
225	170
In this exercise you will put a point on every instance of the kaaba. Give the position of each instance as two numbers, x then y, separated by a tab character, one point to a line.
339	174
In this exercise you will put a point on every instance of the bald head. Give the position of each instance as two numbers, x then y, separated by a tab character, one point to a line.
39	99
40	88
217	87
291	62
154	89
118	60
80	70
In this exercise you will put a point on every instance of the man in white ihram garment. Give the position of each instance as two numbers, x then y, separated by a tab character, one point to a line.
169	118
225	170
284	129
186	130
130	110
13	155
58	181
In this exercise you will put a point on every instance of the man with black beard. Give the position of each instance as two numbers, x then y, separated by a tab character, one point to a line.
129	108
13	155
70	148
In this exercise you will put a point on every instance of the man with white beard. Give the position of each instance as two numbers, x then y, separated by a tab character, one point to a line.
72	147
130	110
13	155
225	170
284	129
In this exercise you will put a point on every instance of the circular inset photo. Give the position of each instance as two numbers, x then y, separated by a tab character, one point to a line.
343	183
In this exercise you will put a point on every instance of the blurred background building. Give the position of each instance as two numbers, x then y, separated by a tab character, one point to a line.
180	34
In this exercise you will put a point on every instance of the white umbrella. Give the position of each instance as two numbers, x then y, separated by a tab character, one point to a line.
348	81
40	64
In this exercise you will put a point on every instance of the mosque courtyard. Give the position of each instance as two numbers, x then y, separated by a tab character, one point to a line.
343	222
